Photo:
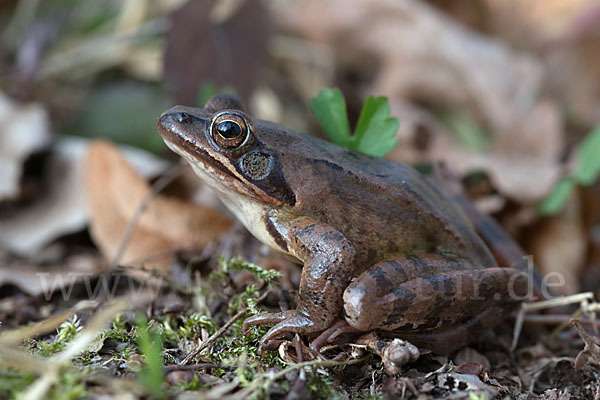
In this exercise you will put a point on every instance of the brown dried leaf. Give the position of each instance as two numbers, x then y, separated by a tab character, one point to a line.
559	246
469	356
208	42
115	192
524	171
469	369
62	208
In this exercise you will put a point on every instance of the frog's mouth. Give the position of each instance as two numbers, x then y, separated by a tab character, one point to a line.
220	175
184	144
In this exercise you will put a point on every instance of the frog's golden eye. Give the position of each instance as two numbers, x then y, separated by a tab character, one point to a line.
229	131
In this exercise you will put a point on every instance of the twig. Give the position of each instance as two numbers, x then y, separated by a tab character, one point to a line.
295	391
554	319
539	305
314	363
271	377
214	336
193	367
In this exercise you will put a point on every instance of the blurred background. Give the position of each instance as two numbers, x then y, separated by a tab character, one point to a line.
505	92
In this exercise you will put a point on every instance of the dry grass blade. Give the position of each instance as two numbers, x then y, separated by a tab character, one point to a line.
49	369
18	335
581	298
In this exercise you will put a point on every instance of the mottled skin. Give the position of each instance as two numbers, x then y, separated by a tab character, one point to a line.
381	246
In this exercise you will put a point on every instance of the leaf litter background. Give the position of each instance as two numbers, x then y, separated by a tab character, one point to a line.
506	93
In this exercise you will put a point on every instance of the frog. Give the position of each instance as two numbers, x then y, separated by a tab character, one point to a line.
383	248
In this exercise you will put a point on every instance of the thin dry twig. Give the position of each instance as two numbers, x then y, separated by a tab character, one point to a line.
214	336
194	367
582	298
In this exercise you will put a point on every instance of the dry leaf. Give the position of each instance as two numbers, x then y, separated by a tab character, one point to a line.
224	43
115	193
63	208
559	246
576	53
469	355
23	130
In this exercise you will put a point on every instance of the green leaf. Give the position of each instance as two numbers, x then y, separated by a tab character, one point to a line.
330	109
587	158
123	112
587	168
556	200
150	345
375	131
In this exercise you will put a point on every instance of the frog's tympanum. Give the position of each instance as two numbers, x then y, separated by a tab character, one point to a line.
382	247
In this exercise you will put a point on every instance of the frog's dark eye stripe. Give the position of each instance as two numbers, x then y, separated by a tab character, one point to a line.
229	130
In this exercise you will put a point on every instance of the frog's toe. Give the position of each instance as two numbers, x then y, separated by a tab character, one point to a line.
266	319
330	335
287	322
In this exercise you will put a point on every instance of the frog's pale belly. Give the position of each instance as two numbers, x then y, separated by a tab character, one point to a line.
250	213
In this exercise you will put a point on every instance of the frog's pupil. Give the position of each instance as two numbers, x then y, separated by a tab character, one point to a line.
229	129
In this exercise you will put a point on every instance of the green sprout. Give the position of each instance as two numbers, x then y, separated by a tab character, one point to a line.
150	345
375	132
585	173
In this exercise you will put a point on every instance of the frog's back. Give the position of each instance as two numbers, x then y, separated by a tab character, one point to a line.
387	209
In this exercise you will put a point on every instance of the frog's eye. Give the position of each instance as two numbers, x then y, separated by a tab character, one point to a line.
229	131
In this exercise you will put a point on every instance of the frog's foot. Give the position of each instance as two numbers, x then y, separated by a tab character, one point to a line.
395	353
287	322
329	335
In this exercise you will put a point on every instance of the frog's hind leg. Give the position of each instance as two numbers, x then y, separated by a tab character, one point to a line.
445	339
428	294
506	251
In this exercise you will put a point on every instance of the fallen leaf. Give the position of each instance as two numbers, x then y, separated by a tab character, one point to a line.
556	394
115	192
224	43
462	384
469	356
559	246
565	35
63	208
469	369
24	129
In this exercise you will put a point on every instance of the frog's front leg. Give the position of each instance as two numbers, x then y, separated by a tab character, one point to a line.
432	301
329	259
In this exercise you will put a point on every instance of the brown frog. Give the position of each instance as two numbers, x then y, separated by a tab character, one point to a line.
382	247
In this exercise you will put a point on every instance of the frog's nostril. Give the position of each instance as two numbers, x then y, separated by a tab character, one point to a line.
182	117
